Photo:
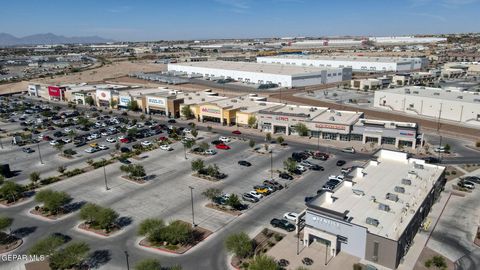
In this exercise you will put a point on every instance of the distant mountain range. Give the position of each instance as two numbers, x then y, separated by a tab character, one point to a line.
47	39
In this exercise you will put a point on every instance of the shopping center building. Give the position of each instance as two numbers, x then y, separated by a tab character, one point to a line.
375	213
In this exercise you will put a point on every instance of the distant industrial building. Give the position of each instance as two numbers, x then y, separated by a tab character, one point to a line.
376	211
405	40
438	103
356	63
257	73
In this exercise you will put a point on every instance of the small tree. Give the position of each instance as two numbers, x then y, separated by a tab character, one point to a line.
59	147
47	246
133	105
117	146
34	177
5	222
301	129
98	217
263	262
52	200
194	133
268	136
113	103
234	202
204	146
69	257
11	191
197	165
251	143
212	193
149	225
280	139
290	164
239	244
61	169
89	101
187	112
447	148
148	264
252	121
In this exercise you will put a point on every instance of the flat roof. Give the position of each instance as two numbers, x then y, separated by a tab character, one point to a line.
338	117
343	58
192	98
435	93
366	188
253	67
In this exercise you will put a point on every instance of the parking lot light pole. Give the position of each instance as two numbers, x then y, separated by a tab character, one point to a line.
126	258
193	213
39	154
318	140
105	177
271	164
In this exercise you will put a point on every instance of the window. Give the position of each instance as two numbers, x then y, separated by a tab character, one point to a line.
375	251
411	105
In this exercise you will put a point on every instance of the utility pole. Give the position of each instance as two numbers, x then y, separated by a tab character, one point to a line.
318	140
271	164
126	258
39	154
438	131
193	213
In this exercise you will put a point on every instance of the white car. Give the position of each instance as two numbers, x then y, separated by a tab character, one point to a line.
54	142
301	168
349	150
102	147
91	150
166	147
187	131
67	140
104	133
121	137
67	130
94	136
210	152
224	139
40	136
440	149
255	194
110	140
146	143
291	216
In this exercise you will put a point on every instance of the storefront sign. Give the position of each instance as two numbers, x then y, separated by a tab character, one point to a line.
54	91
210	110
406	133
330	126
155	101
124	101
373	131
281	118
325	221
104	95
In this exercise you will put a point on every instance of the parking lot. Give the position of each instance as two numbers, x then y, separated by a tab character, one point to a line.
342	96
166	194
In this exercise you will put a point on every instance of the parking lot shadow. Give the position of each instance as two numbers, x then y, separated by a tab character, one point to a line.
72	207
66	238
124	221
99	258
24	231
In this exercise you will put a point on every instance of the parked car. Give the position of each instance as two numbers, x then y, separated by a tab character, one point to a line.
466	184
255	194
54	142
244	163
473	179
350	150
440	149
222	146
67	140
146	143
273	184
110	140
250	198
320	155
91	150
431	160
125	161
124	140
210	152
215	142
28	150
341	162
282	224
224	139
291	216
172	121
166	147
125	150
236	132
102	147
285	176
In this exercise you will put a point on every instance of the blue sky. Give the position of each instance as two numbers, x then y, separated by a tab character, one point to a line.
203	19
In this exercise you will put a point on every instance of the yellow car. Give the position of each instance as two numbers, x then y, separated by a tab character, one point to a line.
261	190
93	145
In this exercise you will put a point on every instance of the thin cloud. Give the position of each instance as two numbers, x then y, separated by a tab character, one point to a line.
121	9
443	3
431	16
237	6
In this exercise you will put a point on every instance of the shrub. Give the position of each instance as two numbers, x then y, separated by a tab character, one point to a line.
52	200
148	264
239	244
98	217
278	237
47	246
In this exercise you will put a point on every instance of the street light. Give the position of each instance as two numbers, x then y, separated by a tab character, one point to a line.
193	213
126	258
271	164
318	140
39	154
105	175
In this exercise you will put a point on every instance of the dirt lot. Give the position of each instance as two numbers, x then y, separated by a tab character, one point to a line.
427	254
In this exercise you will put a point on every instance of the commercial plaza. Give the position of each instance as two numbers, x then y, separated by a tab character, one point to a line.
375	213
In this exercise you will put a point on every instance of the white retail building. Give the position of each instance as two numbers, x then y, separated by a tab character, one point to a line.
256	73
356	63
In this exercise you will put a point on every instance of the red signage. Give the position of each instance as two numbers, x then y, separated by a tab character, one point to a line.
55	91
281	118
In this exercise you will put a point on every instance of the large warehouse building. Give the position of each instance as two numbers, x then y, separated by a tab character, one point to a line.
256	73
356	63
440	103
375	213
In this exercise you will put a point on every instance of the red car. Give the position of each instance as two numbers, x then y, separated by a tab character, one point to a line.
162	138
236	132
47	138
222	146
124	140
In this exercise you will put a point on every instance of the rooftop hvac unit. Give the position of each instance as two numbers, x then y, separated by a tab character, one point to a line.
460	97
234	101
203	99
418	166
331	118
338	114
391	197
291	108
372	221
384	207
399	189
